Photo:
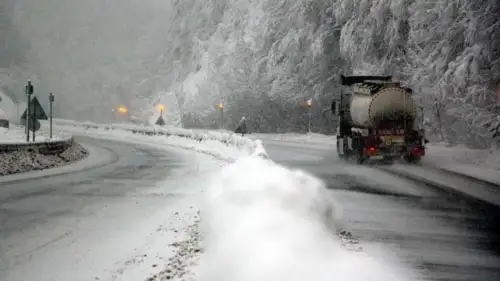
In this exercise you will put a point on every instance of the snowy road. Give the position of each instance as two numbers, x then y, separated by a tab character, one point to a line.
96	224
443	238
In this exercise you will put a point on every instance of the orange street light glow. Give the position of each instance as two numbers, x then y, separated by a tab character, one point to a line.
220	105
122	109
161	107
309	102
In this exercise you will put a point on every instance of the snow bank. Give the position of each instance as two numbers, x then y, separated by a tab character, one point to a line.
265	222
223	145
309	138
24	161
479	163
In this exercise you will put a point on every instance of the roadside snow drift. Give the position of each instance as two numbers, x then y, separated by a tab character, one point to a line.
265	222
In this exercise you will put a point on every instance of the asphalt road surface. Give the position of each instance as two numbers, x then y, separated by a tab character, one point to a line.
443	237
75	225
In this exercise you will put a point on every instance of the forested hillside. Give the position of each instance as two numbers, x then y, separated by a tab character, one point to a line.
263	58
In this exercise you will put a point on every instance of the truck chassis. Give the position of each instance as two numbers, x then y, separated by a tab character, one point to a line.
388	149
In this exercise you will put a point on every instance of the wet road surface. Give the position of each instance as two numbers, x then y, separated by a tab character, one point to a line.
76	226
443	237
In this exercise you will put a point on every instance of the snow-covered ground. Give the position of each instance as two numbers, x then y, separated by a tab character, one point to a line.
480	163
257	220
16	134
214	146
295	139
109	223
310	138
265	222
23	161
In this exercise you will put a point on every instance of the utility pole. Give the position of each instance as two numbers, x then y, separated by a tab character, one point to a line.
309	105
28	90
51	101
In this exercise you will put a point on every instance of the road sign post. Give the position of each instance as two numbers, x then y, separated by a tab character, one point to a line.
28	90
51	101
36	113
34	122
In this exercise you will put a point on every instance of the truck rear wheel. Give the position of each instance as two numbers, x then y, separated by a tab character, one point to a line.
412	159
341	152
360	159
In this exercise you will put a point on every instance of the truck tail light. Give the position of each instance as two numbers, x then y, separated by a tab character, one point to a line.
418	151
371	150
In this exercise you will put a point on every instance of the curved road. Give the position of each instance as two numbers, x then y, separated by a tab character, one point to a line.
442	237
77	225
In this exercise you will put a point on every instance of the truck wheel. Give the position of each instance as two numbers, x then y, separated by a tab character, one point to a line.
412	159
341	156
360	159
344	156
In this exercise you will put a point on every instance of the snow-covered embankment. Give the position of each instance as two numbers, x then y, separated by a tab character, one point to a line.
29	158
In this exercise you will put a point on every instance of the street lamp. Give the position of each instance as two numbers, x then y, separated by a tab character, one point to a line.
161	107
122	109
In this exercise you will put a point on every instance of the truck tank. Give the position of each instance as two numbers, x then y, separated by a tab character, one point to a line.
367	109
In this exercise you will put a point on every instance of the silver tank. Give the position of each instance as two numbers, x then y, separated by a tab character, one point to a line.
388	104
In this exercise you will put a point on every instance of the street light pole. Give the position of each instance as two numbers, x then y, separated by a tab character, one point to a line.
309	105
161	107
28	90
51	100
310	119
221	107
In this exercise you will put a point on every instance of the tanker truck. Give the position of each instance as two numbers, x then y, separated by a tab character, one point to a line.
377	119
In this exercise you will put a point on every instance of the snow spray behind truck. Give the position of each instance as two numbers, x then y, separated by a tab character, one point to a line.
377	119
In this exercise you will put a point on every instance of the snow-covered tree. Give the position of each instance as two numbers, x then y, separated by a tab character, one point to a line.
263	58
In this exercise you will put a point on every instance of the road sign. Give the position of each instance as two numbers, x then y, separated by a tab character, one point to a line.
160	121
30	124
36	107
29	88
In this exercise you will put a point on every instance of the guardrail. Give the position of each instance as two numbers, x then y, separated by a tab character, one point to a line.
46	147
